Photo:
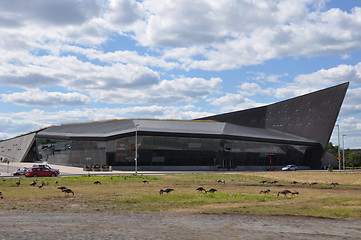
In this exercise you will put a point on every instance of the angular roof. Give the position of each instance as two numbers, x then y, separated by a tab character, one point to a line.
122	128
310	116
307	119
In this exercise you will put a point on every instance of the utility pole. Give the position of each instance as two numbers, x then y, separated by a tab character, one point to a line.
136	149
339	153
343	151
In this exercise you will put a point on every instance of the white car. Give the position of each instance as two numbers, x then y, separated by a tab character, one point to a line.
289	168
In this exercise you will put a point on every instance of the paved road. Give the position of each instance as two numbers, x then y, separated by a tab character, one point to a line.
6	170
171	225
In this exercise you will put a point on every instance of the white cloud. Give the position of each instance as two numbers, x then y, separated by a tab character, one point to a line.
189	23
4	135
122	13
263	77
22	122
14	124
305	83
345	56
350	127
247	33
352	103
73	74
353	96
282	91
113	83
251	89
43	22
302	84
125	57
179	90
233	102
29	80
211	35
55	12
46	99
208	35
332	76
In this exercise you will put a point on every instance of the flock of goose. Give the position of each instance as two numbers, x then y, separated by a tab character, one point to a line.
285	192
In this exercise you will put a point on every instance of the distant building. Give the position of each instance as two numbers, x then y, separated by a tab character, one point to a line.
294	131
355	150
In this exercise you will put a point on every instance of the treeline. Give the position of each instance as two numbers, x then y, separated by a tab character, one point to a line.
352	159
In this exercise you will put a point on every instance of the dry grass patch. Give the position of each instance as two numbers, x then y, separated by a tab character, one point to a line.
345	178
239	193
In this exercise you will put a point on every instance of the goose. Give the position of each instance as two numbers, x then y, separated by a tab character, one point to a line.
212	190
201	189
67	191
285	192
267	191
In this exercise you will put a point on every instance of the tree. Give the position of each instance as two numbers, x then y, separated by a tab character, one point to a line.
354	159
332	149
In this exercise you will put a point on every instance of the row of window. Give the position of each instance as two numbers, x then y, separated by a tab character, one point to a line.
171	151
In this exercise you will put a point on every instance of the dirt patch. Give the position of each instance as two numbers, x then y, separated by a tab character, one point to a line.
347	178
170	225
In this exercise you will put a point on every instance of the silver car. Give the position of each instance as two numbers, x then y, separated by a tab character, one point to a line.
289	168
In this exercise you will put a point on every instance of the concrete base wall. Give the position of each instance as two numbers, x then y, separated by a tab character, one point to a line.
200	168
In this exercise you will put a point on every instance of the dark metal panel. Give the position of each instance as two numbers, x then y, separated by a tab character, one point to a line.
254	117
310	116
94	128
169	128
118	128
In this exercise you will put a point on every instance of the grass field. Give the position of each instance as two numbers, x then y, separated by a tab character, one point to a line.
239	193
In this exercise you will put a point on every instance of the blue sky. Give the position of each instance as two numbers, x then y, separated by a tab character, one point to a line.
67	61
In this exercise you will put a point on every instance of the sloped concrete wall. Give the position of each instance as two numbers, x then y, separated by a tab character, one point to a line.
16	149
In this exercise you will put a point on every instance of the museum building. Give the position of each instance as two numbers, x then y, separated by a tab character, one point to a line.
294	131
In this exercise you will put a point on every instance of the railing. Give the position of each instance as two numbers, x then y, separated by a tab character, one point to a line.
97	168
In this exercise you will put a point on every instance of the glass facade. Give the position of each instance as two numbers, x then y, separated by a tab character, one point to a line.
172	151
71	152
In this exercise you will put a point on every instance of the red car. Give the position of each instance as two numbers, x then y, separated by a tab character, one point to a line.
40	172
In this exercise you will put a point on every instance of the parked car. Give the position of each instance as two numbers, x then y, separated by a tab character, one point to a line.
47	166
289	168
20	171
41	172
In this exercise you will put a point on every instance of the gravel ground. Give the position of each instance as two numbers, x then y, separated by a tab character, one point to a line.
170	225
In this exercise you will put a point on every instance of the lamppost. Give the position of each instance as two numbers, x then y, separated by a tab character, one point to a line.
136	149
339	154
343	151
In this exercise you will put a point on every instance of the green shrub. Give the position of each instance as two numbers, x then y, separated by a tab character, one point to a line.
330	168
